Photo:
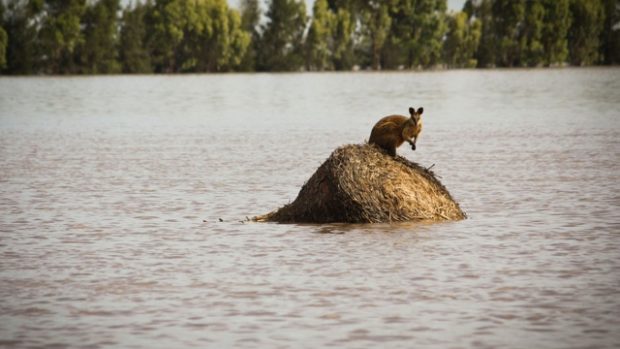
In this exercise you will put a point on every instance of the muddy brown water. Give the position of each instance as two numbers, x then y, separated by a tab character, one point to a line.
112	190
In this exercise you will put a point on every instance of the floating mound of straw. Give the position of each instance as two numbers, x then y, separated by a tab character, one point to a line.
362	184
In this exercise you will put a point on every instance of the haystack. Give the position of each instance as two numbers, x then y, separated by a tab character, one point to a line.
362	184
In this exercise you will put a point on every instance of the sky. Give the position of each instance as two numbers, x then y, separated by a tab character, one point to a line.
454	5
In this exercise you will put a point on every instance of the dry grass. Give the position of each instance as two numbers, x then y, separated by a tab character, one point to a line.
362	184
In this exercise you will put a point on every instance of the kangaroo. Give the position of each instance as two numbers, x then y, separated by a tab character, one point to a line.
391	131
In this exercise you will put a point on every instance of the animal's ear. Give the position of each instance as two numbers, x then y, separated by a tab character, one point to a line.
420	110
411	110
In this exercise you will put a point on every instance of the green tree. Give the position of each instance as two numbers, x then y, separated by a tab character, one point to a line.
20	21
165	22
282	40
4	38
487	50
555	31
376	23
228	43
521	33
318	41
60	34
241	39
195	36
134	55
462	40
508	16
197	49
610	37
98	53
531	48
342	45
417	33
250	19
427	49
585	31
213	39
347	34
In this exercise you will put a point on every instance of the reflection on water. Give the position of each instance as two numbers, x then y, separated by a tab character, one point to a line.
112	190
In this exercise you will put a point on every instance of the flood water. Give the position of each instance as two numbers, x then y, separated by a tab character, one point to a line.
123	202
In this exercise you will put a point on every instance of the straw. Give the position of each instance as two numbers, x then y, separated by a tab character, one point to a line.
360	183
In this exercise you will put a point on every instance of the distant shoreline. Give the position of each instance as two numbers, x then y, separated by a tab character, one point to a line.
303	72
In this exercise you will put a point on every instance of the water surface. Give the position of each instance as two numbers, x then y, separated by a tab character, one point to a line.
112	190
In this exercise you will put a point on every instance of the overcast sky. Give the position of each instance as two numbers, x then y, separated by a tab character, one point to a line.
455	5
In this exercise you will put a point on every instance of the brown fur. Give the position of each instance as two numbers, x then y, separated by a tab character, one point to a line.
392	131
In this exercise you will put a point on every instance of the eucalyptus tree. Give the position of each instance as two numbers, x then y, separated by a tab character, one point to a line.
250	23
165	22
98	51
531	49
584	34
228	43
416	35
133	52
281	44
521	33
508	17
348	34
376	22
4	38
194	36
555	30
342	44
610	37
60	34
319	46
462	40
481	10
542	33
21	20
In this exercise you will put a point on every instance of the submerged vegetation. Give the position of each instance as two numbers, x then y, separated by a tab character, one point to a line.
359	183
171	36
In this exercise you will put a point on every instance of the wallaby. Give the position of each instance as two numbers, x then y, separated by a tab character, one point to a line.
391	131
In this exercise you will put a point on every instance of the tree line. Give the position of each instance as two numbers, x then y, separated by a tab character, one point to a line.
173	36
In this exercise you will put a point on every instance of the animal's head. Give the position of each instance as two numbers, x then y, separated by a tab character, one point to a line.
416	116
413	126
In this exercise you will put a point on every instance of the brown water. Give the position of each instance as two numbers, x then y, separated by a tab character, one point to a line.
105	184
